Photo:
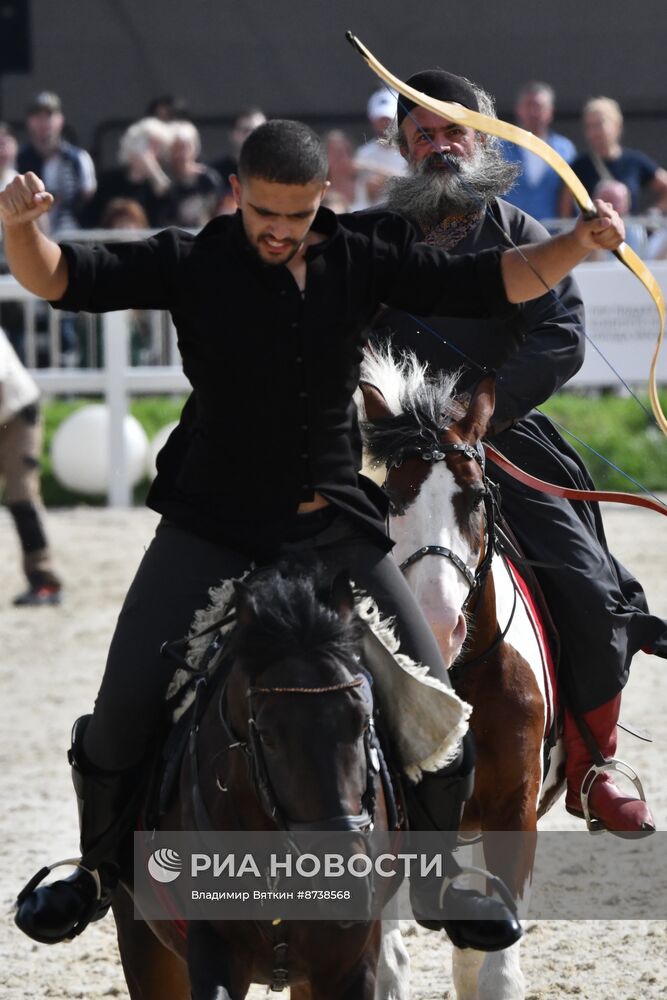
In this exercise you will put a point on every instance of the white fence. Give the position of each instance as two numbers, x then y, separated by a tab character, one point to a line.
621	320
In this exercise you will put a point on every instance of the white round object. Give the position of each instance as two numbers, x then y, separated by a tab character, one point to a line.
156	446
80	450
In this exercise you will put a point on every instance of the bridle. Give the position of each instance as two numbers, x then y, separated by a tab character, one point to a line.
438	453
252	748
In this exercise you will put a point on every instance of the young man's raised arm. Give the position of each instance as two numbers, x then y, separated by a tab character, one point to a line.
526	270
35	261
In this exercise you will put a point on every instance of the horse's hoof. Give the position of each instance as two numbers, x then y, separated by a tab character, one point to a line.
60	911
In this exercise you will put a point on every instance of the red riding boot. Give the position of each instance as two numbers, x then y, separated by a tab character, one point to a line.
611	807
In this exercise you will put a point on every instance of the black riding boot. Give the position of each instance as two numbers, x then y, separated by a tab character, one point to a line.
482	922
61	910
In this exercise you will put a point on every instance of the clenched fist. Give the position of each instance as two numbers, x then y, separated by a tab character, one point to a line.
24	200
605	232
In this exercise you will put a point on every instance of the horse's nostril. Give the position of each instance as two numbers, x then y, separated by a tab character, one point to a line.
459	633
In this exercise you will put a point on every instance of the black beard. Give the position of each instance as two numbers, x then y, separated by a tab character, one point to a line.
435	191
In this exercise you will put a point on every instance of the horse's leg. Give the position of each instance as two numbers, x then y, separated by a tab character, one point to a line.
356	982
360	985
393	973
466	964
479	975
216	973
152	971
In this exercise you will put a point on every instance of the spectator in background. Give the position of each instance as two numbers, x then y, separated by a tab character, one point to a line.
11	313
537	188
656	246
127	214
124	213
143	149
168	108
196	191
342	169
377	161
8	150
70	169
335	201
20	447
72	180
606	159
245	122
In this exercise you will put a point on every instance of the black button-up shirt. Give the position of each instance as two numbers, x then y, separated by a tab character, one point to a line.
271	418
534	350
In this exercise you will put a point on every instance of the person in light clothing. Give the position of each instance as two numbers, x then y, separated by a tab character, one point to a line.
20	444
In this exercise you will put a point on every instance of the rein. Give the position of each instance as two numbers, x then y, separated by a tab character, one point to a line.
631	499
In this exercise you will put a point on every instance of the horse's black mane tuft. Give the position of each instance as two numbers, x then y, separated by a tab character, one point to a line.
423	405
292	619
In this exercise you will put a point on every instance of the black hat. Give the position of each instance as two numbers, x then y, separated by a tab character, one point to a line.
443	86
45	101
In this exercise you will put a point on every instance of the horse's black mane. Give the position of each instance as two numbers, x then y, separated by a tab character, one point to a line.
291	618
425	402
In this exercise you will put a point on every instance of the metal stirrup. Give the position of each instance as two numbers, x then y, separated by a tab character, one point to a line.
613	764
496	882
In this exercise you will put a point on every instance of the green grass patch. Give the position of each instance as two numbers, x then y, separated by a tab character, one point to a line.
618	429
614	426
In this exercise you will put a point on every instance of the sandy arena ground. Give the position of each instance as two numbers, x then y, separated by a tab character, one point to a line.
51	665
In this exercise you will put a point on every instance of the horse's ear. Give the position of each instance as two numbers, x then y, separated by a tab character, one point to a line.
480	409
342	596
375	404
245	603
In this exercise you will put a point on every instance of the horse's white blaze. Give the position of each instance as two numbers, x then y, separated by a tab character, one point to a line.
440	588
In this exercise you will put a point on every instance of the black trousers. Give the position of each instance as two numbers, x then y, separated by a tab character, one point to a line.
599	608
173	581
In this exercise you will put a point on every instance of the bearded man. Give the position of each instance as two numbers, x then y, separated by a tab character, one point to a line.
453	194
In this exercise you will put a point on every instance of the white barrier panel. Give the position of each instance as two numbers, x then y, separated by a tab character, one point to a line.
622	321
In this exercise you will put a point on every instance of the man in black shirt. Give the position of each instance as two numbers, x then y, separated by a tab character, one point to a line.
452	194
271	308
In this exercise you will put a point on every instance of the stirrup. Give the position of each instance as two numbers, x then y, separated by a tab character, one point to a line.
90	911
610	765
496	883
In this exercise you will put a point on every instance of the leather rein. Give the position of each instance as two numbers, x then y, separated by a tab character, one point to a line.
542	486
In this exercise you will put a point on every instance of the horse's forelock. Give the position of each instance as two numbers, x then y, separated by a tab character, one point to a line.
290	620
423	405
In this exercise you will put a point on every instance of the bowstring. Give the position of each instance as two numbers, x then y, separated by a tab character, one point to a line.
469	189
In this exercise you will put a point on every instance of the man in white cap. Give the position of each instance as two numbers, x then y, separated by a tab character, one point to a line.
375	160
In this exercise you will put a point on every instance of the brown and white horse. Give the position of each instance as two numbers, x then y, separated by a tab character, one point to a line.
442	520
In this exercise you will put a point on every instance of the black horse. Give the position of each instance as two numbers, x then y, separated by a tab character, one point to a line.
285	741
